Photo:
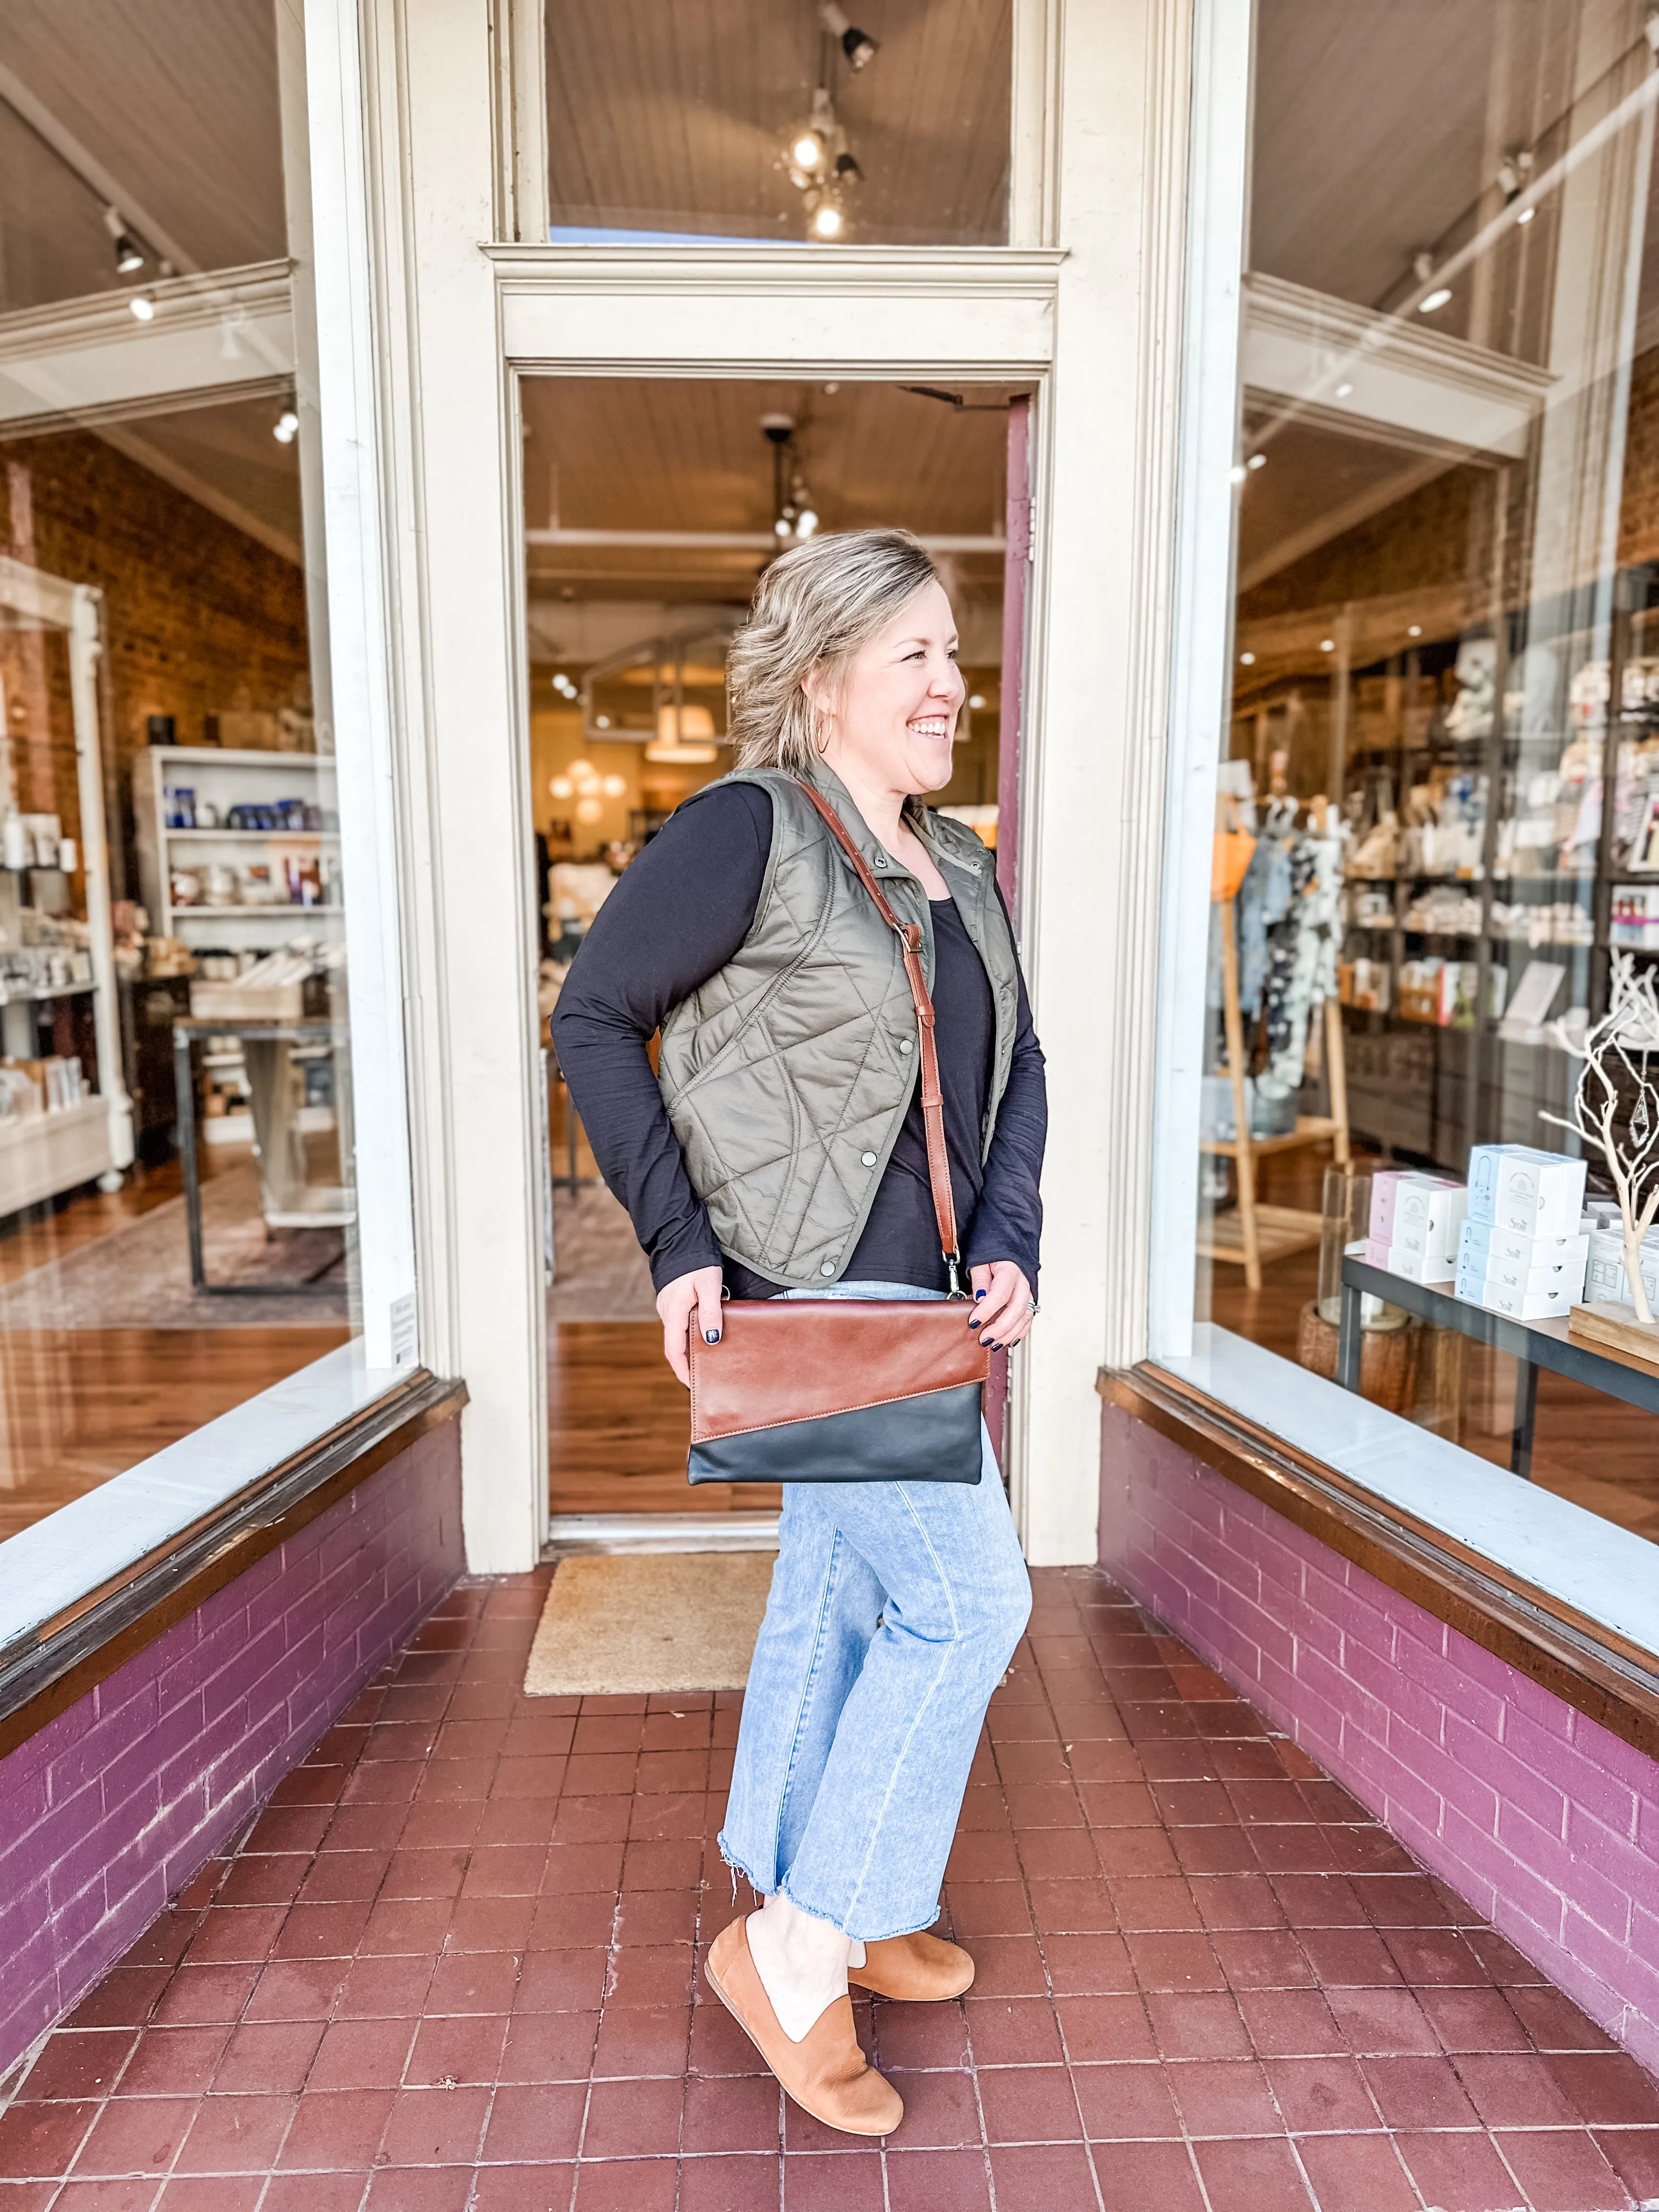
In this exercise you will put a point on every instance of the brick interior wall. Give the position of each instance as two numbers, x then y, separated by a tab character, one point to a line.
198	614
1542	1819
109	1810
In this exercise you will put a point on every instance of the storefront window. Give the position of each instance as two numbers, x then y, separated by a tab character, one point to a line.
1434	867
181	1242
876	124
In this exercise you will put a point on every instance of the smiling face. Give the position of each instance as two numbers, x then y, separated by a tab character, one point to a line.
892	717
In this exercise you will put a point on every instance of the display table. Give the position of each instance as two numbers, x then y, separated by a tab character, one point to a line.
288	1202
1532	1345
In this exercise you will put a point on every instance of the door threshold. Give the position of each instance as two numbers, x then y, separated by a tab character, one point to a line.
569	1533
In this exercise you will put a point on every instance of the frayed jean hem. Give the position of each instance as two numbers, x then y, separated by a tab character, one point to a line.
817	1912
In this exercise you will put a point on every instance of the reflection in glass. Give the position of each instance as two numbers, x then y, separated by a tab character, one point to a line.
1444	752
178	1210
781	121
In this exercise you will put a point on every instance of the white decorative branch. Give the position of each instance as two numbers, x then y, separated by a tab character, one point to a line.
1624	1044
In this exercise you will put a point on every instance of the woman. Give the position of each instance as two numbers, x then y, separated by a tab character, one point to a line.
781	1152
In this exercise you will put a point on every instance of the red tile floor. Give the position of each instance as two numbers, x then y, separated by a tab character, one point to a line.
453	1965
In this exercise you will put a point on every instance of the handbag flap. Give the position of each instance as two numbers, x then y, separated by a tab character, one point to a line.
782	1360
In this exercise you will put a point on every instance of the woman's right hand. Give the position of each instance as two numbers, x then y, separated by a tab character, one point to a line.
689	1302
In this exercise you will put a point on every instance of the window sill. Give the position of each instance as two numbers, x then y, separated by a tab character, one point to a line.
1611	1678
50	1662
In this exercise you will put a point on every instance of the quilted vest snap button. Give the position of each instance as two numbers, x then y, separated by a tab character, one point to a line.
868	1158
905	1045
827	1268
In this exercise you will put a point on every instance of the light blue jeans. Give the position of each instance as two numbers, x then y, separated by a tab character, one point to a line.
894	1610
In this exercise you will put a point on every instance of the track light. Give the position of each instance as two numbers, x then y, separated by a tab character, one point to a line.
286	428
860	48
826	217
142	306
128	258
1434	300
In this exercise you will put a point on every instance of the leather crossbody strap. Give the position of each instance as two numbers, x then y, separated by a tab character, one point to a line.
933	1098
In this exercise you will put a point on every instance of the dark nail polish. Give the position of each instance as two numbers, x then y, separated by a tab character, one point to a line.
990	1343
979	1294
711	1336
974	1323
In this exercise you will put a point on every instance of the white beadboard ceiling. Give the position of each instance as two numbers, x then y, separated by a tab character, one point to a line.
689	455
671	115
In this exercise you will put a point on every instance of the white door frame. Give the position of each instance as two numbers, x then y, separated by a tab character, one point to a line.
1087	309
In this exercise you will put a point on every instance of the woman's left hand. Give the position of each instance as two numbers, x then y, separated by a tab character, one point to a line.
1004	1308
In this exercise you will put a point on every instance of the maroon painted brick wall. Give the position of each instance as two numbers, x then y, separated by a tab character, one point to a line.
1542	1818
109	1810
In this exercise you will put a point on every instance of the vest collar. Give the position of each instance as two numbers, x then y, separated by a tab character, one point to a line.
917	818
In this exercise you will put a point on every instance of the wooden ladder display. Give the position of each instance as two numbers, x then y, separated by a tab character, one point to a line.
1255	1232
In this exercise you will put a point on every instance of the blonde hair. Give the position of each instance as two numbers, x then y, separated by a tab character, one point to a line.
813	608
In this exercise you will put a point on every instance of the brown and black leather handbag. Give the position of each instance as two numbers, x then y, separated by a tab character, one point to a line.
850	1390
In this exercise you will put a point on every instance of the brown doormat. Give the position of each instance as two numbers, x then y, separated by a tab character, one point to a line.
619	1624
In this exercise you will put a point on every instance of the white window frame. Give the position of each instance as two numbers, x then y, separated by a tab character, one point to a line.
86	360
1573	1557
1085	305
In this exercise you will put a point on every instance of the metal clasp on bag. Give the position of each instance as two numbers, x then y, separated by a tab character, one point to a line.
960	1285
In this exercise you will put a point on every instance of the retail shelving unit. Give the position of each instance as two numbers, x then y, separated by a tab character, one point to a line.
223	780
1560	765
43	1154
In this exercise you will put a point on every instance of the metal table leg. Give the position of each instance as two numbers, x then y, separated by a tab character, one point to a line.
1526	1410
1350	1340
184	1084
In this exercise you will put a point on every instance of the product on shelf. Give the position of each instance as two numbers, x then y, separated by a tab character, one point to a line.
1414	1224
1529	1278
1525	1191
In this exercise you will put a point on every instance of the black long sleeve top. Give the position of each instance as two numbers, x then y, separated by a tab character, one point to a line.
677	914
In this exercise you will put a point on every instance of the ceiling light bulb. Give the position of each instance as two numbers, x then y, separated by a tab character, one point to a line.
1328	644
828	220
977	701
128	259
588	809
782	525
805	523
1416	630
580	771
286	427
602	722
560	786
142	306
1343	391
614	786
808	152
1526	215
1236	475
1256	461
1248	659
1435	299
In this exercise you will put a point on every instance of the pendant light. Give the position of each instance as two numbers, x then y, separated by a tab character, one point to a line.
685	737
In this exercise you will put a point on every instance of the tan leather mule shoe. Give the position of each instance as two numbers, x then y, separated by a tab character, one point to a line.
915	1968
826	2073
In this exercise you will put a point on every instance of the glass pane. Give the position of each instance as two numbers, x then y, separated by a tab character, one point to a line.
178	1228
1433	843
886	126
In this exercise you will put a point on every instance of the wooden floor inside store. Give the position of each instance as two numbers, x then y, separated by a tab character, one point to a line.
80	1405
1595	1451
620	1425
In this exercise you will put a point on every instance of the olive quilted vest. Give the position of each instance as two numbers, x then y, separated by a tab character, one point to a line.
788	1075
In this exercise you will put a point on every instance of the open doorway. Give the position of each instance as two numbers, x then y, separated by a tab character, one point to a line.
651	506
